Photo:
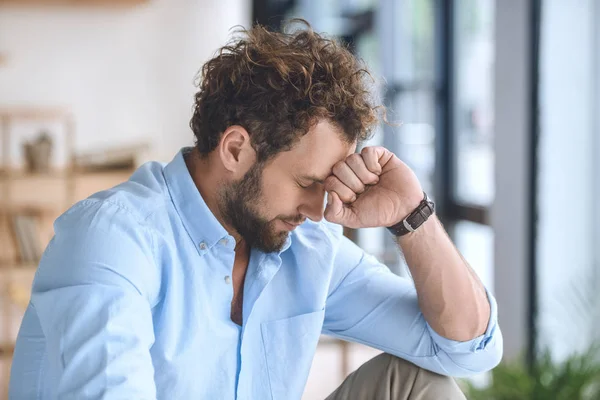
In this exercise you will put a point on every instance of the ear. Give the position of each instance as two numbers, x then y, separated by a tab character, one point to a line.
235	151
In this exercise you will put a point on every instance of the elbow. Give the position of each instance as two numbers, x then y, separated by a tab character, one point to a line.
483	356
465	327
487	355
497	351
491	360
462	330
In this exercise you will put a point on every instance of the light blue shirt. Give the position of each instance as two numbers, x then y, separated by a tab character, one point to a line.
132	300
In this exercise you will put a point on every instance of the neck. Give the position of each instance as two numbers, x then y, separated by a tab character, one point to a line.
206	178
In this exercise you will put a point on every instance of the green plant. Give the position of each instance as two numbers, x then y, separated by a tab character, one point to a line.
576	378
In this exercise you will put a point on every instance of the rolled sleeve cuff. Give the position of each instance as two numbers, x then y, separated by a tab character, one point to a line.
474	345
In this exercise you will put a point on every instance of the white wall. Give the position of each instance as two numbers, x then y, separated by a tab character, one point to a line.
567	245
126	73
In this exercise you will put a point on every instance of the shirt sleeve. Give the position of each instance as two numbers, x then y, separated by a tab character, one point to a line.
371	305
93	294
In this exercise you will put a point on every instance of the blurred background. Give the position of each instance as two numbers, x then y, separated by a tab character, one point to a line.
499	110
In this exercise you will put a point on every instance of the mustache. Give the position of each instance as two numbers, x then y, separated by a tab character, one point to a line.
294	220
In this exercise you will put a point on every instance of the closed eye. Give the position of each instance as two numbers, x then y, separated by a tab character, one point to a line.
309	178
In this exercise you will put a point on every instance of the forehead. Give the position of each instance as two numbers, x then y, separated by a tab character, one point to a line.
316	152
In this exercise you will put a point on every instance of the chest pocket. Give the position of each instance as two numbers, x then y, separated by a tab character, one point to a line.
290	346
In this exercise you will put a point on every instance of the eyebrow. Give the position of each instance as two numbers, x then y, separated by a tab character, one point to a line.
313	178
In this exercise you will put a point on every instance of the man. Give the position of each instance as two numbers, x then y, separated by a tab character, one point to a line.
213	276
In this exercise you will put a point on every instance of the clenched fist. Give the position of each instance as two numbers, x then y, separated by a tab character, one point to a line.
371	189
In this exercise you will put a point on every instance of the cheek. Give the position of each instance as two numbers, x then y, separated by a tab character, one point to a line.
281	199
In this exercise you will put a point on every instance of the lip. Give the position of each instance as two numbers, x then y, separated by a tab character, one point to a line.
291	226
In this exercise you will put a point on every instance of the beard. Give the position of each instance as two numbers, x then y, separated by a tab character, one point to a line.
239	206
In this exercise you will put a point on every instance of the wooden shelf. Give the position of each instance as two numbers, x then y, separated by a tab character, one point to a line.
31	209
21	174
63	173
18	266
73	3
33	113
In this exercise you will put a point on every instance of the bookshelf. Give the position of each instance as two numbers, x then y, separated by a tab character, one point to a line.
37	198
27	197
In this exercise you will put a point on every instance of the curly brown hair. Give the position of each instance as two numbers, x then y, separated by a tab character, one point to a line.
276	85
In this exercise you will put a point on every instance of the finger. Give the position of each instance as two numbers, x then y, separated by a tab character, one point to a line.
371	156
339	213
357	164
333	184
345	174
334	209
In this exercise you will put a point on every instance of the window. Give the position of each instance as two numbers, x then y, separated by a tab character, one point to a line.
471	152
435	63
473	102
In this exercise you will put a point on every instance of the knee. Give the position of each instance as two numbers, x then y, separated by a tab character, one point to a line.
425	384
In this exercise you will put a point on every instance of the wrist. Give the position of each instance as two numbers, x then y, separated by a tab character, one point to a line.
413	219
426	230
409	204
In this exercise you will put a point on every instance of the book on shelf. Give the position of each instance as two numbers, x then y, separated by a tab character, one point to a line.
25	228
7	239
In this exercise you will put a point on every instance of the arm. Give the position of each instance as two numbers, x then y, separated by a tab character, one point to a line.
371	305
451	296
375	188
93	294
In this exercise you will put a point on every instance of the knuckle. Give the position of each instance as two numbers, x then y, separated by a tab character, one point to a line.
330	181
369	149
349	195
338	167
360	188
355	158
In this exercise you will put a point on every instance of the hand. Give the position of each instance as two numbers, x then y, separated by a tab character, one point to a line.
371	189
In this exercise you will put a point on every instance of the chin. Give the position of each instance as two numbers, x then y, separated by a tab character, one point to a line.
271	241
278	241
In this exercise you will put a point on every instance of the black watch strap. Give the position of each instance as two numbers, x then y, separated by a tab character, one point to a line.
415	219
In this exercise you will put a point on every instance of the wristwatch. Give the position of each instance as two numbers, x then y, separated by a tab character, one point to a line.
415	219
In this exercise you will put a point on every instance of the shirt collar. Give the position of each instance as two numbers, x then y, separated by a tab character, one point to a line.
199	221
288	243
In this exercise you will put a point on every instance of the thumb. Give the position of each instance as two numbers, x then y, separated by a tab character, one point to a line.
334	211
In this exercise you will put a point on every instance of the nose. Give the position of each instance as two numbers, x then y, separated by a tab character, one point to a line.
313	206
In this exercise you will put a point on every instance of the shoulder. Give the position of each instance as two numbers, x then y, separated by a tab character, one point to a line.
111	234
132	202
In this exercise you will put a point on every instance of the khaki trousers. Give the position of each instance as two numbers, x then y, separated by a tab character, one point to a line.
387	377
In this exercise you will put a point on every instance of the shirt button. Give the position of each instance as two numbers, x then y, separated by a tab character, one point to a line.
202	246
228	279
224	242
